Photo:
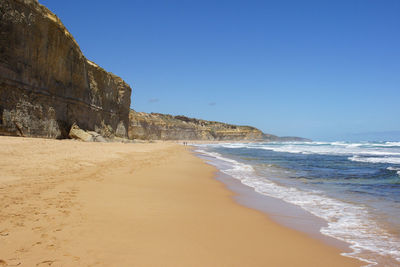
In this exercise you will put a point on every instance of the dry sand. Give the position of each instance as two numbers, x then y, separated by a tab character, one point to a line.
66	203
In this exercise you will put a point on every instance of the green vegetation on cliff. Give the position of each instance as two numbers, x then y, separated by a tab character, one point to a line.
155	126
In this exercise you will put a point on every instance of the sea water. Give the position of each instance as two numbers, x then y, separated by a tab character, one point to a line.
354	187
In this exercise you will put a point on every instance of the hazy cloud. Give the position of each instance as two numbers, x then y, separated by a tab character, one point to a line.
153	100
212	104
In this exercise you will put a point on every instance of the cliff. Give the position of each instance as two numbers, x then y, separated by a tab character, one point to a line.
49	89
47	84
155	126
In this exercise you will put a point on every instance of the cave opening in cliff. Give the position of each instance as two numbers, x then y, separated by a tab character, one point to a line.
64	128
1	114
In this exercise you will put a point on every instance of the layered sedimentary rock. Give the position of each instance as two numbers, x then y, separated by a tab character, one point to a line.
47	84
155	126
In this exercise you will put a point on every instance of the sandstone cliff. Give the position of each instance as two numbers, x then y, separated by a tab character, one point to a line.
47	84
154	126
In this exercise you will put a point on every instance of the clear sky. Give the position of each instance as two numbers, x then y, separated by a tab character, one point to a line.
319	69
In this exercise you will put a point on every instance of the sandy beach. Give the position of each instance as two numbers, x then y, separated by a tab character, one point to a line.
69	203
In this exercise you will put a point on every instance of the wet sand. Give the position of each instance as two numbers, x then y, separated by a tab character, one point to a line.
67	203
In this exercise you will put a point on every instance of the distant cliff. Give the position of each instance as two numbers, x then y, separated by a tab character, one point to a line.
47	84
155	126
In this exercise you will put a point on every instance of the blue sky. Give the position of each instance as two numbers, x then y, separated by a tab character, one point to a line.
317	69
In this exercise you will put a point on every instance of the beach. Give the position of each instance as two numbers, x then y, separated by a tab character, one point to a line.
342	191
70	203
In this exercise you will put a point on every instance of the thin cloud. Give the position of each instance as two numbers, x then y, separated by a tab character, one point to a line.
153	100
212	104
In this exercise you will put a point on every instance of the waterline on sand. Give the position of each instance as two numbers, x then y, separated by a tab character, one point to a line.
347	221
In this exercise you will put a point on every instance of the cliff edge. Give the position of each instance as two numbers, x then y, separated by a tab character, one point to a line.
155	126
47	84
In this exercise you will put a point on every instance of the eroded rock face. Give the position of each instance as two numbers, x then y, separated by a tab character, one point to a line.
156	126
46	83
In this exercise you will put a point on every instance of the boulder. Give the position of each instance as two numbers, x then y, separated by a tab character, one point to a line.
79	134
96	137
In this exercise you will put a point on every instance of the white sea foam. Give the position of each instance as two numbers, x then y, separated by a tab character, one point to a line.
311	149
394	169
383	152
392	144
390	160
351	149
347	222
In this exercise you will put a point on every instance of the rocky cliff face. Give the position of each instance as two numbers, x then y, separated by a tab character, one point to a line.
156	126
47	84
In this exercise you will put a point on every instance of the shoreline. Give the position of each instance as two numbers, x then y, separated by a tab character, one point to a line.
279	211
284	213
73	203
331	215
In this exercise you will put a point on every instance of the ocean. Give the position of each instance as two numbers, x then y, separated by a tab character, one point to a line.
354	187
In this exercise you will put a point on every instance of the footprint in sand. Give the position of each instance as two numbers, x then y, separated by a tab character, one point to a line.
37	229
10	262
51	246
22	250
4	233
66	212
37	243
46	263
